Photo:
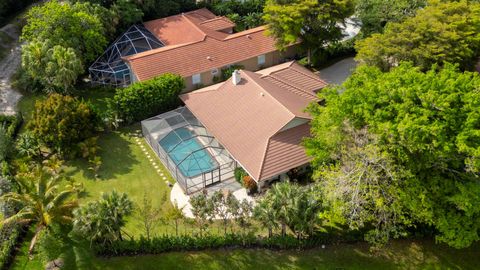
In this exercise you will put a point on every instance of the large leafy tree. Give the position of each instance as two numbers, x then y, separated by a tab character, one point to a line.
315	23
375	14
57	67
442	31
363	188
101	221
73	26
429	124
43	201
61	122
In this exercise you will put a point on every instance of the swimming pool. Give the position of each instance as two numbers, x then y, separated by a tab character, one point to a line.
187	153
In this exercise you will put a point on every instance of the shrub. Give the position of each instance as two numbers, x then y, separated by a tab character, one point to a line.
61	122
227	72
12	123
9	237
239	173
334	51
167	243
249	184
145	99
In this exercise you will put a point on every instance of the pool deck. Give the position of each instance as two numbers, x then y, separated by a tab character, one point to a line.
183	201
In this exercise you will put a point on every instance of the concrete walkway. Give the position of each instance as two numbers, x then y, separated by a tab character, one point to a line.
183	201
338	72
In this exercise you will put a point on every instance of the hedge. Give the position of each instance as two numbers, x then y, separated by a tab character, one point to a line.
12	123
9	237
168	243
145	99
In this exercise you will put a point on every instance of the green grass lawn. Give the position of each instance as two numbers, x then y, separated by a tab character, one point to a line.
400	254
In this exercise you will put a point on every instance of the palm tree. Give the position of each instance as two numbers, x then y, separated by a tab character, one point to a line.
265	214
306	215
42	202
282	198
54	165
28	145
102	220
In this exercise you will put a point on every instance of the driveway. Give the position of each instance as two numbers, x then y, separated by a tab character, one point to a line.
338	72
8	65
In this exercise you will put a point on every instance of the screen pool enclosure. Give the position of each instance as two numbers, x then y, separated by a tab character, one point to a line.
110	69
193	156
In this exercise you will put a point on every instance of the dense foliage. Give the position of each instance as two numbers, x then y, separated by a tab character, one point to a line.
168	243
315	23
42	199
77	26
145	99
428	125
55	67
245	14
8	128
9	236
442	31
375	14
61	122
101	221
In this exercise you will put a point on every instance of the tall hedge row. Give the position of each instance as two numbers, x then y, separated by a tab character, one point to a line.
144	99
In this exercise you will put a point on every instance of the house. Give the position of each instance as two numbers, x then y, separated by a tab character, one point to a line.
196	45
255	120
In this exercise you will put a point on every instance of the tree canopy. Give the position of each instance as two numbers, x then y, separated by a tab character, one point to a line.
375	14
78	26
314	22
61	122
429	124
443	31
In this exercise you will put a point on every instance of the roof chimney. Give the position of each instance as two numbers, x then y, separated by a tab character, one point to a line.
236	77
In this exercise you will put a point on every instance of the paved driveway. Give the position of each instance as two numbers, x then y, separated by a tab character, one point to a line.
338	72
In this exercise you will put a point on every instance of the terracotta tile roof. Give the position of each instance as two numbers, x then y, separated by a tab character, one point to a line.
219	23
248	118
285	151
201	56
195	44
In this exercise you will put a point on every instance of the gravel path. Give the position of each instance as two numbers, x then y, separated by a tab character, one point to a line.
9	97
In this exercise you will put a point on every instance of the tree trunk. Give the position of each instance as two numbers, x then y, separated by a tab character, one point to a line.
34	240
284	229
225	226
270	233
176	227
309	56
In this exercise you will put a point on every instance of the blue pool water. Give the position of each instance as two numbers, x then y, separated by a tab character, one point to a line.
194	162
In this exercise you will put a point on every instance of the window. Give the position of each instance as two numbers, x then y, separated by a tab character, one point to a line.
261	60
196	79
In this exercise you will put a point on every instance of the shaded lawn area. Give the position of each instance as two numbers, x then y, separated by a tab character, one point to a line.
401	254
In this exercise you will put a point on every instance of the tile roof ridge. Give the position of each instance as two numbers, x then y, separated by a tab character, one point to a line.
260	173
194	25
299	68
271	75
246	32
157	50
264	90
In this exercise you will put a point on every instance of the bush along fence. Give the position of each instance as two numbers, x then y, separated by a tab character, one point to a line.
167	243
9	238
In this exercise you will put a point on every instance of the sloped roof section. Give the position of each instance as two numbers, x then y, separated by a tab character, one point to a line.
197	57
248	118
195	42
285	151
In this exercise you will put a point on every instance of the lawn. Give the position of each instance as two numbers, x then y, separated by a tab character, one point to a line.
401	254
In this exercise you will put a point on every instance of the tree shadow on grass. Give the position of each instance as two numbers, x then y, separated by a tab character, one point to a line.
117	158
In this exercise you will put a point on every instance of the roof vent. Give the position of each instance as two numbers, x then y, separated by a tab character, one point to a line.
236	77
209	58
249	37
